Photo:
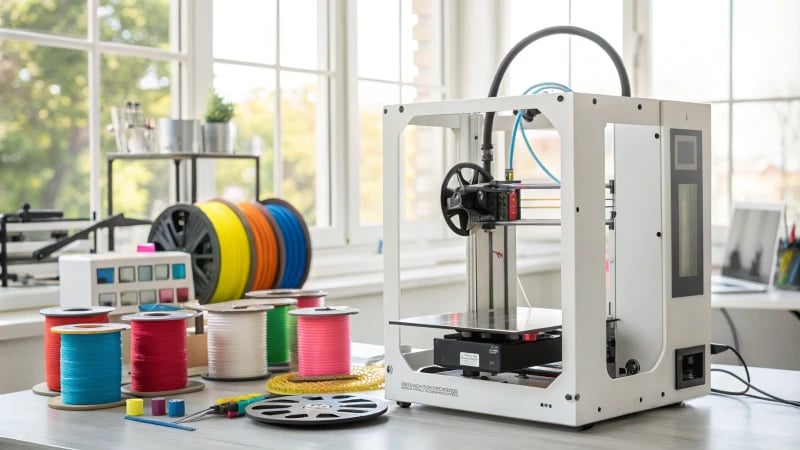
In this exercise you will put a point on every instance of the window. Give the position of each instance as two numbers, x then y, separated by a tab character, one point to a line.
272	59
743	60
573	61
569	60
44	127
399	59
59	80
308	97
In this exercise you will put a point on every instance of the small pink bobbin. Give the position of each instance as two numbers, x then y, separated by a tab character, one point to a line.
148	247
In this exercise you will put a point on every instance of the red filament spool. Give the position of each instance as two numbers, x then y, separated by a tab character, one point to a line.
52	341
323	340
159	361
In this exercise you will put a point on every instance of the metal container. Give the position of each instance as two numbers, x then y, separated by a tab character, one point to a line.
179	135
217	138
141	140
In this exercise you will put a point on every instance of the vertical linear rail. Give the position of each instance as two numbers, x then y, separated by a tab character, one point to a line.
505	269
491	268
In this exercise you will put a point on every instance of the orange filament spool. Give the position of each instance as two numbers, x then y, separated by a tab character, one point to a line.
52	342
267	257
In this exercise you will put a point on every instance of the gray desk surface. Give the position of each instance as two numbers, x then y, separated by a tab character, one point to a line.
709	422
773	299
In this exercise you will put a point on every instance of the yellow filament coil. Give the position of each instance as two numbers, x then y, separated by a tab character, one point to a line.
370	378
234	248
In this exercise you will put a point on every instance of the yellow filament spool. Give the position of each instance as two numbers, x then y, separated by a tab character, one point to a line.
234	251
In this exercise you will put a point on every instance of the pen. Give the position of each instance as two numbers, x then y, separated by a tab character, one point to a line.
795	265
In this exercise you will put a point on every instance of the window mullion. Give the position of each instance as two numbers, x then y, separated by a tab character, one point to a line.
95	203
349	74
277	154
730	105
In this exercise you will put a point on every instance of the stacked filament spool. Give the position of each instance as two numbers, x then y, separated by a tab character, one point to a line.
306	298
52	341
91	366
297	240
237	341
323	341
237	248
159	363
278	330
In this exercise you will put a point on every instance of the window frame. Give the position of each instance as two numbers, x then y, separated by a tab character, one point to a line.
370	235
328	164
191	51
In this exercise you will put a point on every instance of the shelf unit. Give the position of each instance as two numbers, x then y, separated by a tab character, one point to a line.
178	159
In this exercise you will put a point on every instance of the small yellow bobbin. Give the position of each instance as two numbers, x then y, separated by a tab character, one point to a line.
134	407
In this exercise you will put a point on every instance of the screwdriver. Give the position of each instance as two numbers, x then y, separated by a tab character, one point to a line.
226	406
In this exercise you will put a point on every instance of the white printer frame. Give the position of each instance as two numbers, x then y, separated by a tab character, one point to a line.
659	294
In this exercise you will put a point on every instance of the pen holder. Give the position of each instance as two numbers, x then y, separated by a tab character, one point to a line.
787	274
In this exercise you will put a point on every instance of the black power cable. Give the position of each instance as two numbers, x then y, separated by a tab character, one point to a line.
719	348
624	82
734	333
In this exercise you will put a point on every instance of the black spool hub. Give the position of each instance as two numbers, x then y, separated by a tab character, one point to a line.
185	228
316	409
459	177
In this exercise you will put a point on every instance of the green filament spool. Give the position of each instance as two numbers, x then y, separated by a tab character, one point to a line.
278	327
278	337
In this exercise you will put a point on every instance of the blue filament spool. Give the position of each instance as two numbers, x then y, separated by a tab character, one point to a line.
297	241
91	363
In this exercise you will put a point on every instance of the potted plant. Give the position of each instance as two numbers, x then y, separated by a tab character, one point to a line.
217	132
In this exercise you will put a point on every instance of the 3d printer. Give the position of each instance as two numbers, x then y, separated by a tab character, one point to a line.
634	325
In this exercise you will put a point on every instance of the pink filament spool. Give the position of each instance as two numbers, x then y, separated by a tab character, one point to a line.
311	302
323	340
306	298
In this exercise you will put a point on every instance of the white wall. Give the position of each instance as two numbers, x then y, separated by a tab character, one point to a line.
21	363
767	338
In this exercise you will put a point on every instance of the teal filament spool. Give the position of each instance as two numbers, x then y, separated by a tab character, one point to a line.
91	363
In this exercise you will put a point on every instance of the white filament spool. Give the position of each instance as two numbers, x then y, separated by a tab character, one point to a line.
237	341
